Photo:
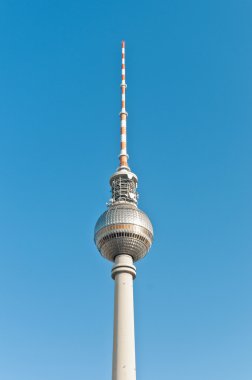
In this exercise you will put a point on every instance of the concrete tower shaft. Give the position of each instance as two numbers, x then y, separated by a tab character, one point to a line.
124	358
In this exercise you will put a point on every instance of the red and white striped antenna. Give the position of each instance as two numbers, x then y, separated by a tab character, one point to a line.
123	115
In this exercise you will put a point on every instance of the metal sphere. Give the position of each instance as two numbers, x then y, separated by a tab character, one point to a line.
123	229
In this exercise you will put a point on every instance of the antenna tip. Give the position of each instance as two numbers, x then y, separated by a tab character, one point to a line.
123	43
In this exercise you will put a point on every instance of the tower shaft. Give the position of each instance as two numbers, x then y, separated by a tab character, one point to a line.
124	362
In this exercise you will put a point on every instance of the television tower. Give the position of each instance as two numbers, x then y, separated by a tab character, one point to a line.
123	234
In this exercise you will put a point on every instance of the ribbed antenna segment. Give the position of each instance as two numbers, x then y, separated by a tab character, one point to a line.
123	115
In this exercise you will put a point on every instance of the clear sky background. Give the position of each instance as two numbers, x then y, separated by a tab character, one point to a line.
189	96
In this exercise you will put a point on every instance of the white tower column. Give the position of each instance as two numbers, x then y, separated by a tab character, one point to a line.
124	361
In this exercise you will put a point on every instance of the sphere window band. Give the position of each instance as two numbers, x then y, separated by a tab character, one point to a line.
123	227
124	234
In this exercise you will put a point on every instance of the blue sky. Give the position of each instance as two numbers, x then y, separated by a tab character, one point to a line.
189	129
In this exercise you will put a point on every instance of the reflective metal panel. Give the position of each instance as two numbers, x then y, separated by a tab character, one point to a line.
123	213
123	229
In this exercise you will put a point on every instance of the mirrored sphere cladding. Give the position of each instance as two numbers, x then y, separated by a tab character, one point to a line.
123	229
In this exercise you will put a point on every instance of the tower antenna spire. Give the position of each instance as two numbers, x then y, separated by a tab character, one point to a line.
123	116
